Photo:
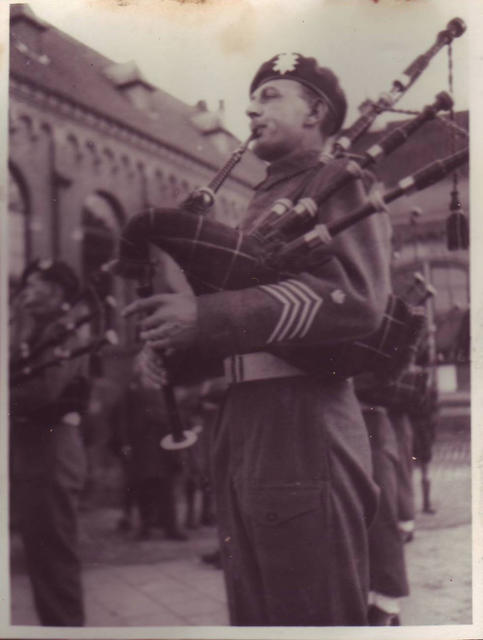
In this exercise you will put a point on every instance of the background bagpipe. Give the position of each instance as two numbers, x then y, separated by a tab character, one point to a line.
57	354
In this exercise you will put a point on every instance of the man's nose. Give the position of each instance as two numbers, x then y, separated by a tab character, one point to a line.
253	109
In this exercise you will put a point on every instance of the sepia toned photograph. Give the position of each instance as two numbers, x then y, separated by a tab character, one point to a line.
236	266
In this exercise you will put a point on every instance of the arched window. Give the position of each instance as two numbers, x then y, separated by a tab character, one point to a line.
101	225
19	232
185	189
162	189
174	189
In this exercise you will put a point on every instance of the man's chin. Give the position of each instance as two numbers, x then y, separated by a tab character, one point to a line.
266	152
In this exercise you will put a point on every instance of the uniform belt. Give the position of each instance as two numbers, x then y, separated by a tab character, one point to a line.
258	366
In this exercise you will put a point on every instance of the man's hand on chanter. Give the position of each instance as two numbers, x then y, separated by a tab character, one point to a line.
170	319
149	369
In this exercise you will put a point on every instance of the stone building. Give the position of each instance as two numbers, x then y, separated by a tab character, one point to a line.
92	142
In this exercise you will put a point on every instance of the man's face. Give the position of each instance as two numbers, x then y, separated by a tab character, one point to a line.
278	113
41	297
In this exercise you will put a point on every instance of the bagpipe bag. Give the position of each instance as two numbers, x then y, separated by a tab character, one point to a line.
216	257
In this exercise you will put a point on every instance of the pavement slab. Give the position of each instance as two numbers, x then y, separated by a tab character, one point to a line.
439	567
161	583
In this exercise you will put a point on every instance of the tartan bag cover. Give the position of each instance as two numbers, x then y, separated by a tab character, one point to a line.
386	352
213	256
407	392
389	350
216	257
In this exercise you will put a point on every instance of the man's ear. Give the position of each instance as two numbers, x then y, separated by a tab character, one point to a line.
317	113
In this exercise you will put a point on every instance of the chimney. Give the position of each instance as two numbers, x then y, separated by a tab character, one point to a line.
131	83
211	125
201	106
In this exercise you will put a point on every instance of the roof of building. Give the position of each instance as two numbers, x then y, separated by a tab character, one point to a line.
68	68
76	72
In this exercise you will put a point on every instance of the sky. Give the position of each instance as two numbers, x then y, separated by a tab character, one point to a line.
211	49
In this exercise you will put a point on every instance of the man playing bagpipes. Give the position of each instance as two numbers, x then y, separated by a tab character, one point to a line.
423	417
47	454
291	458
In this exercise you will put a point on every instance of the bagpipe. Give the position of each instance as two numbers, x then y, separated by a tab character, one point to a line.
410	390
79	328
288	239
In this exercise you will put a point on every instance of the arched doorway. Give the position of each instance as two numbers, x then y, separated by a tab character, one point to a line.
101	224
19	244
101	227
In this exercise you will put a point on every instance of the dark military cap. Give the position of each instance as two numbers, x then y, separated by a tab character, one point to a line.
294	66
55	271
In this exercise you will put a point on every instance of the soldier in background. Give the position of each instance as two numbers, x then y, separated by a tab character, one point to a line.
138	423
388	575
46	447
424	420
386	403
405	495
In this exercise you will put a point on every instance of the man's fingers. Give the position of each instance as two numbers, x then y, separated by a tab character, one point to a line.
154	334
152	321
144	304
160	343
155	369
149	383
150	368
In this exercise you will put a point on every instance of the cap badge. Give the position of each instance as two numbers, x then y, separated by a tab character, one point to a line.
285	62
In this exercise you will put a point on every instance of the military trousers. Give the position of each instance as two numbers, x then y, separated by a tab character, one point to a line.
295	496
49	468
387	564
404	435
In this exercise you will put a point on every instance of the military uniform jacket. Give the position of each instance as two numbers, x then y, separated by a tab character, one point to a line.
341	299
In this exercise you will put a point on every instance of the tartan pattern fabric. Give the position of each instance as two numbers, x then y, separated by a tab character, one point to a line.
393	346
385	353
216	258
409	391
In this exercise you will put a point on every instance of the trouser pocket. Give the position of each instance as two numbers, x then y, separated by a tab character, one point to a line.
289	529
277	505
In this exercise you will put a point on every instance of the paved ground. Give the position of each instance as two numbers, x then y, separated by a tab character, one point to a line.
163	583
170	593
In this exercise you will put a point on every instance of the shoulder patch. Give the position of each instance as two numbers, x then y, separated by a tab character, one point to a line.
338	296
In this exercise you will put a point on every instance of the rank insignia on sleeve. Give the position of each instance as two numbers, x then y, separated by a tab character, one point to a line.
300	305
